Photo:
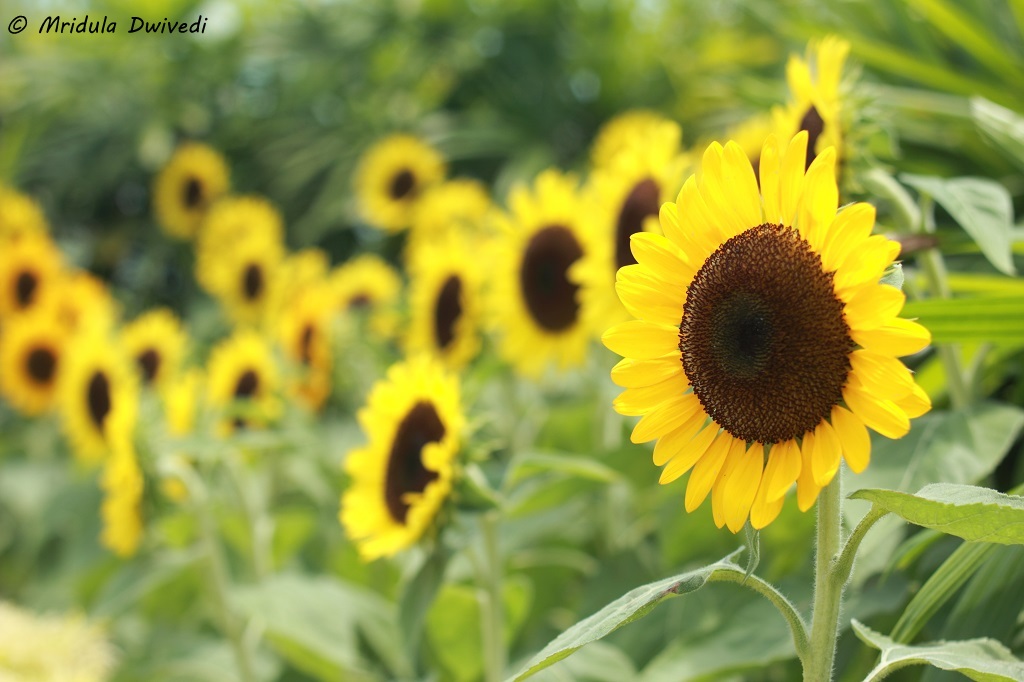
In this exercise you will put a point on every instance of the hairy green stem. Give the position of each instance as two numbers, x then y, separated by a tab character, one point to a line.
491	612
796	623
828	586
844	564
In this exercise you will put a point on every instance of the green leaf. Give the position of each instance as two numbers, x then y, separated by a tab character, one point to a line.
984	660
981	206
1005	128
893	276
575	466
879	183
998	319
599	662
752	540
630	607
319	625
418	594
972	513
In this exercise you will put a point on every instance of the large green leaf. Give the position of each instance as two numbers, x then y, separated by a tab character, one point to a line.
967	511
984	660
599	662
630	607
418	594
998	318
981	206
1005	128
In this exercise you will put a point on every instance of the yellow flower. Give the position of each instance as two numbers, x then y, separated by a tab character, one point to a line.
31	351
297	272
392	176
190	183
83	303
243	378
413	421
65	648
28	270
460	205
181	397
156	341
19	216
367	285
626	195
632	129
535	302
98	395
305	337
817	105
121	511
764	344
445	300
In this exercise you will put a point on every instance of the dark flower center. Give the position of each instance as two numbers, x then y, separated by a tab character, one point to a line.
149	362
815	126
763	339
98	398
305	345
41	365
544	278
252	281
641	202
359	302
193	193
406	472
247	385
25	288
447	311
402	184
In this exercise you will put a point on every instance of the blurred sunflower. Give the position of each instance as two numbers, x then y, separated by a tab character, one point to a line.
31	347
191	182
460	205
181	396
445	292
392	176
28	270
242	377
121	510
156	341
83	303
413	421
305	337
751	133
535	302
298	271
19	216
98	395
238	254
817	105
626	195
633	129
765	344
66	648
367	285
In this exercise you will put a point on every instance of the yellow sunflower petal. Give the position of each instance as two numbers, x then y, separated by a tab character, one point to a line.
641	340
873	303
631	373
740	482
883	375
763	512
705	472
739	178
791	177
636	401
867	263
664	418
827	454
882	415
673	443
782	469
851	227
897	337
820	198
915	403
854	437
806	489
768	168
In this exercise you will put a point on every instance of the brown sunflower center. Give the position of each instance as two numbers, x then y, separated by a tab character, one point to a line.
192	193
763	339
447	311
252	281
98	398
359	302
641	202
406	472
815	126
41	364
544	278
149	363
247	384
25	288
306	345
402	184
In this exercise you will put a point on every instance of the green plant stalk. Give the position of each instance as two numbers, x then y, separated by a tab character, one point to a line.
828	587
491	613
796	623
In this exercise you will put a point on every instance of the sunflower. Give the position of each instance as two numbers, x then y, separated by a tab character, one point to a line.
305	336
98	395
751	133
367	285
238	253
298	271
632	129
19	216
413	421
181	397
190	183
242	378
765	343
461	205
815	83
28	270
535	302
31	348
156	340
83	303
446	309
121	511
392	176
626	195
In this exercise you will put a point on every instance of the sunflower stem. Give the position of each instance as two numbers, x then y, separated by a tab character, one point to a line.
491	612
797	627
828	587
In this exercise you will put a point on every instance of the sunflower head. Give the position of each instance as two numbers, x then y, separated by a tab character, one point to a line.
31	350
391	178
367	286
28	271
190	183
243	379
413	421
817	104
304	333
83	303
156	342
19	216
764	344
